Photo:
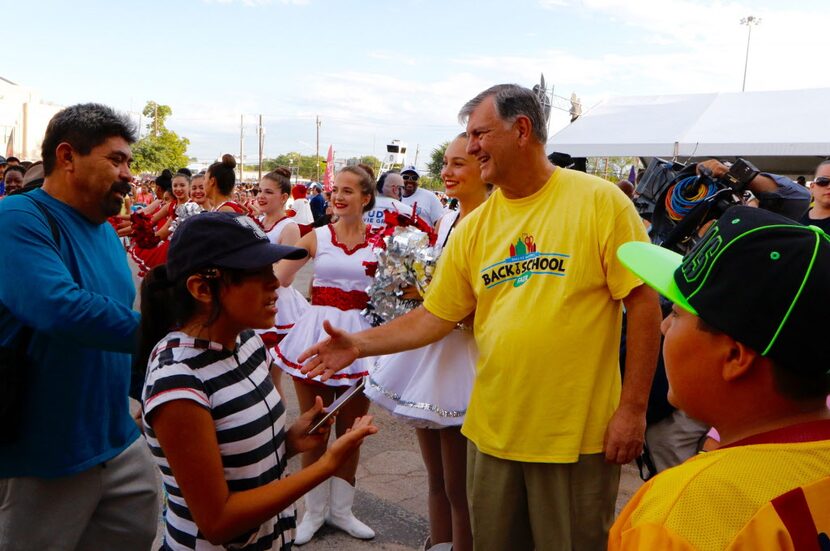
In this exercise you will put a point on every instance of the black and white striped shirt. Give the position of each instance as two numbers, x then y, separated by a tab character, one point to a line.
236	387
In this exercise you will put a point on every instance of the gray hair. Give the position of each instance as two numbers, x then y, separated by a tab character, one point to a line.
84	126
512	101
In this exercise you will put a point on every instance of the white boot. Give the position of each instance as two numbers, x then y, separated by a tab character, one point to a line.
316	505
340	511
427	546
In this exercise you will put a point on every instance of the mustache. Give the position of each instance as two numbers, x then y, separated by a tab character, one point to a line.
121	187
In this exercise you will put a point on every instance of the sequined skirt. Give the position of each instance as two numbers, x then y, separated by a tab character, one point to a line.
428	387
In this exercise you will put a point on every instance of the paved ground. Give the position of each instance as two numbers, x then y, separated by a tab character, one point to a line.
392	489
391	483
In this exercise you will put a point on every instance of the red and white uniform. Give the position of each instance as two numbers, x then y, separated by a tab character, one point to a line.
291	304
428	387
338	294
148	258
237	208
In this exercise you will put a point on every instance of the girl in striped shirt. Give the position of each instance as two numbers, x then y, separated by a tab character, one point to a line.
212	417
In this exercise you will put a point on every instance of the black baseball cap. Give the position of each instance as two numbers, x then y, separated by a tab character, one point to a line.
223	240
755	275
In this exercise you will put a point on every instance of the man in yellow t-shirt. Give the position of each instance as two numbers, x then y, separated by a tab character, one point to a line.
548	422
737	358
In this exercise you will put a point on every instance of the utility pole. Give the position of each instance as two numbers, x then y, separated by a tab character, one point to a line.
417	151
749	21
317	155
241	152
155	119
261	140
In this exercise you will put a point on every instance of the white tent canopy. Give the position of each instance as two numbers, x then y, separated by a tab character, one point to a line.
784	131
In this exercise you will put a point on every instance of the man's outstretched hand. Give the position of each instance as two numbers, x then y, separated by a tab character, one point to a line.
330	355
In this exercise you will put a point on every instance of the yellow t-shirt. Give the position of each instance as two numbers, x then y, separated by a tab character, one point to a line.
759	497
543	277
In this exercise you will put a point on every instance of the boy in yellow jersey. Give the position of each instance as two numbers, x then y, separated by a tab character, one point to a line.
740	355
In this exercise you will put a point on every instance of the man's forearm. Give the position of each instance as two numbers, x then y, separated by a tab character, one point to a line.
412	330
642	347
762	184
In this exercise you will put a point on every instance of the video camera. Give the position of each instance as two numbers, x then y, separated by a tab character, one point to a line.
678	202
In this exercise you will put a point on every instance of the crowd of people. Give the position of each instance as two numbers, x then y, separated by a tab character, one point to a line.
509	370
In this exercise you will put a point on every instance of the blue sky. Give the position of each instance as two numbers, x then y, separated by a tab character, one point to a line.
378	70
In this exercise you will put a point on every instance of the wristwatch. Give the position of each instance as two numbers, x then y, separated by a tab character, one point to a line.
740	175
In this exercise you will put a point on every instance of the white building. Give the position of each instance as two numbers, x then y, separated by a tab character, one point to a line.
395	156
23	119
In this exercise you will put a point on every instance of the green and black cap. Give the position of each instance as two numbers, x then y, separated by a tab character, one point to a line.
755	275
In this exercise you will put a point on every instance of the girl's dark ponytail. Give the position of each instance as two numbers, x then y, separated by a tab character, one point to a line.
158	317
166	306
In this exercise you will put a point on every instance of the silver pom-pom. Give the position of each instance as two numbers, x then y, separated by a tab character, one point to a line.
408	260
183	212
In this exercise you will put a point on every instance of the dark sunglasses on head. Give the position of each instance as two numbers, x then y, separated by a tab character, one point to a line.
410	177
821	181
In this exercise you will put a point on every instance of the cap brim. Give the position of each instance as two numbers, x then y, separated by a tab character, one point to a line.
655	266
259	255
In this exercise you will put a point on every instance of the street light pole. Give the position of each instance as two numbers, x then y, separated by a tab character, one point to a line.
749	21
317	154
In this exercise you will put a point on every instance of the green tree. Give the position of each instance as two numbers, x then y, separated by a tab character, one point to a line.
311	165
161	148
431	182
372	161
611	168
436	160
157	116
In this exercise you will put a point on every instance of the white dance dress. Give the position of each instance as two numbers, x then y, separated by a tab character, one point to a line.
338	294
291	304
428	387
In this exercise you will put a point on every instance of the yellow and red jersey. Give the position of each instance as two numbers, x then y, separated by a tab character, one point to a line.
770	491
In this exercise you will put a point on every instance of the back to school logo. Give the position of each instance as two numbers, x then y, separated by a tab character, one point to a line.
523	263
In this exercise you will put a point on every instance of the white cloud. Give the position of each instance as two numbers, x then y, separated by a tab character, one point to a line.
658	47
360	112
705	39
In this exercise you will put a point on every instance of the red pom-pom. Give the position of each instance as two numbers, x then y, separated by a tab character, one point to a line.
144	234
393	219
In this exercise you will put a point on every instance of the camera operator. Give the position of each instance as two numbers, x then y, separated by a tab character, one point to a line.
819	215
671	435
774	192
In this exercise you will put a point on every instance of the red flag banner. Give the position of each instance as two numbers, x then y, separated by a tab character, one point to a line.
328	178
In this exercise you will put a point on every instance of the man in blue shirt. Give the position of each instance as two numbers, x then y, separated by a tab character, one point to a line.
75	474
3	165
317	202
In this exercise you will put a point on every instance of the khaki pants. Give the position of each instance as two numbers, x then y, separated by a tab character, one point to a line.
674	439
543	506
112	506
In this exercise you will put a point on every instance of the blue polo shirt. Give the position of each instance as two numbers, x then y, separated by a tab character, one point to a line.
78	299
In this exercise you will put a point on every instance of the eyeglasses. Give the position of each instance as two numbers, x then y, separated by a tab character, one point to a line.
410	177
821	181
